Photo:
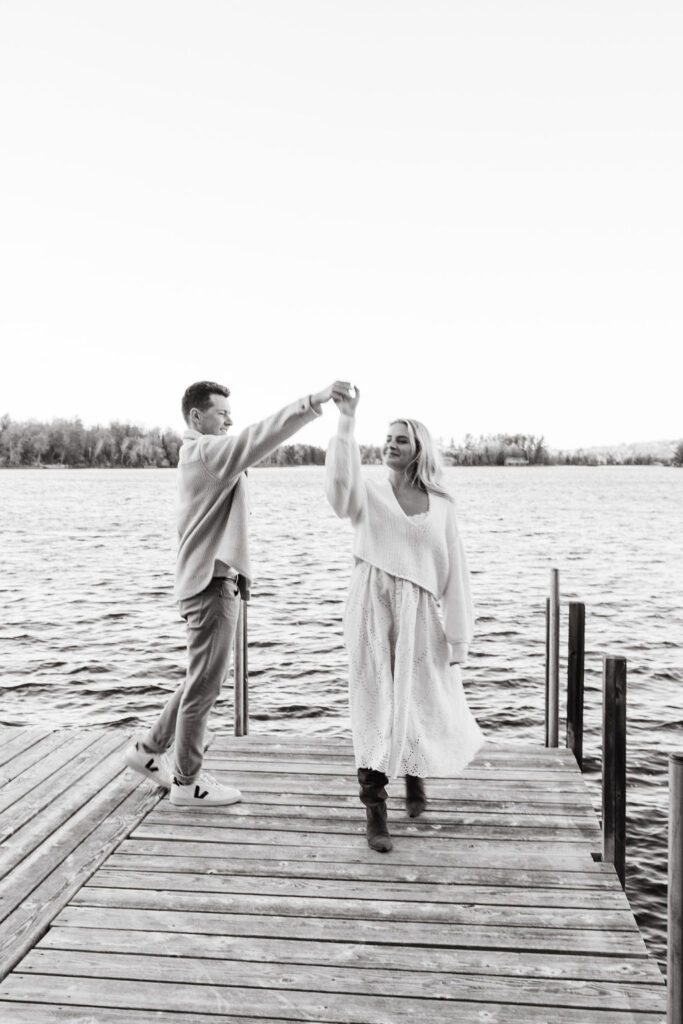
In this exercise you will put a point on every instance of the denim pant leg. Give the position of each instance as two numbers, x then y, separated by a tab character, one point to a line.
211	618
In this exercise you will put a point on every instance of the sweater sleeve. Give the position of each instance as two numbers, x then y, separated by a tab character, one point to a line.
458	613
343	478
226	457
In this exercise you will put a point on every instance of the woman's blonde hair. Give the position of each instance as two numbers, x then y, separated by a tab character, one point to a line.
425	469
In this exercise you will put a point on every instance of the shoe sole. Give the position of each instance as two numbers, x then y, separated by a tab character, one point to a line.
384	847
199	804
415	810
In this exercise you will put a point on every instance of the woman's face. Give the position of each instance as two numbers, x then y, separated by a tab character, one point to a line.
398	449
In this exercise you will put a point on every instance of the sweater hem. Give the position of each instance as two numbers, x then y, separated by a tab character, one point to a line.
396	575
202	584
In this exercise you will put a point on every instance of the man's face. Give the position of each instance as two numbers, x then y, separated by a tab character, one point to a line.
214	420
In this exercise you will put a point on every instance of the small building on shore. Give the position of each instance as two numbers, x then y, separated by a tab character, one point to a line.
516	456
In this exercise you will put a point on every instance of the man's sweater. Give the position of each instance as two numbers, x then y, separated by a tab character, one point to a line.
426	550
212	501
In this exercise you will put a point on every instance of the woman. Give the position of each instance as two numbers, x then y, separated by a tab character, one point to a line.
409	715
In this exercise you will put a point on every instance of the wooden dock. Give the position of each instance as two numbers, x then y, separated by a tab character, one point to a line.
492	907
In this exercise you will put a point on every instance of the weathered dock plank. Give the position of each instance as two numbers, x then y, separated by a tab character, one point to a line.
516	791
17	741
439	827
491	907
451	850
489	962
538	777
33	754
37	786
49	1013
337	884
67	803
251	923
300	1004
560	812
347	863
341	906
378	980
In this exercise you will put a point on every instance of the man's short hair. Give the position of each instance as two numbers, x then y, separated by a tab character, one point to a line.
198	396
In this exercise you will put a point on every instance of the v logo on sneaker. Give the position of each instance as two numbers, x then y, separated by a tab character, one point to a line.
150	766
198	795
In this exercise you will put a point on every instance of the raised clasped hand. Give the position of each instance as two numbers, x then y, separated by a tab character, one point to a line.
347	402
335	391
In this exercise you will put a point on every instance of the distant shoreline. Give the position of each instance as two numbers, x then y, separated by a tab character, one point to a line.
561	463
62	444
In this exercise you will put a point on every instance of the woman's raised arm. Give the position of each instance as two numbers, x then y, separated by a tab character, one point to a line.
343	479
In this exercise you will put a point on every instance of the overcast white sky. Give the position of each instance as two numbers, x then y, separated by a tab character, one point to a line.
471	208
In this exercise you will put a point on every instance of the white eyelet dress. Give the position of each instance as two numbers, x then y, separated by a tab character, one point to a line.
409	713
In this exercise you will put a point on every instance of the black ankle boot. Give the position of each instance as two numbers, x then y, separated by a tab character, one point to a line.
374	796
416	801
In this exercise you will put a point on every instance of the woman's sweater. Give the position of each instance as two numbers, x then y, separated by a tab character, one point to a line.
427	551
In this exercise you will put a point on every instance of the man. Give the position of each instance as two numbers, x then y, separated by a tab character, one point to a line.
213	564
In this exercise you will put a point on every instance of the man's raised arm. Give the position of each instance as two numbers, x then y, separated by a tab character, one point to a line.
227	457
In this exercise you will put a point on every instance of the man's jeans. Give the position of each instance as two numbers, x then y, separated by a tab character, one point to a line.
211	618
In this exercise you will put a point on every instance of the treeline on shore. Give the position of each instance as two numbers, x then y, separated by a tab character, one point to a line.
64	442
311	455
498	450
531	450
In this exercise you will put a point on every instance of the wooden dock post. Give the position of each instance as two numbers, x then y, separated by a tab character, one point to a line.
241	674
575	668
675	896
552	705
614	764
547	662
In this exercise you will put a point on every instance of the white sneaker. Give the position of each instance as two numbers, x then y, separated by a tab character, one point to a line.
154	766
205	791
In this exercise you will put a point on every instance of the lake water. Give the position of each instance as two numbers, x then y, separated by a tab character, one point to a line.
90	635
